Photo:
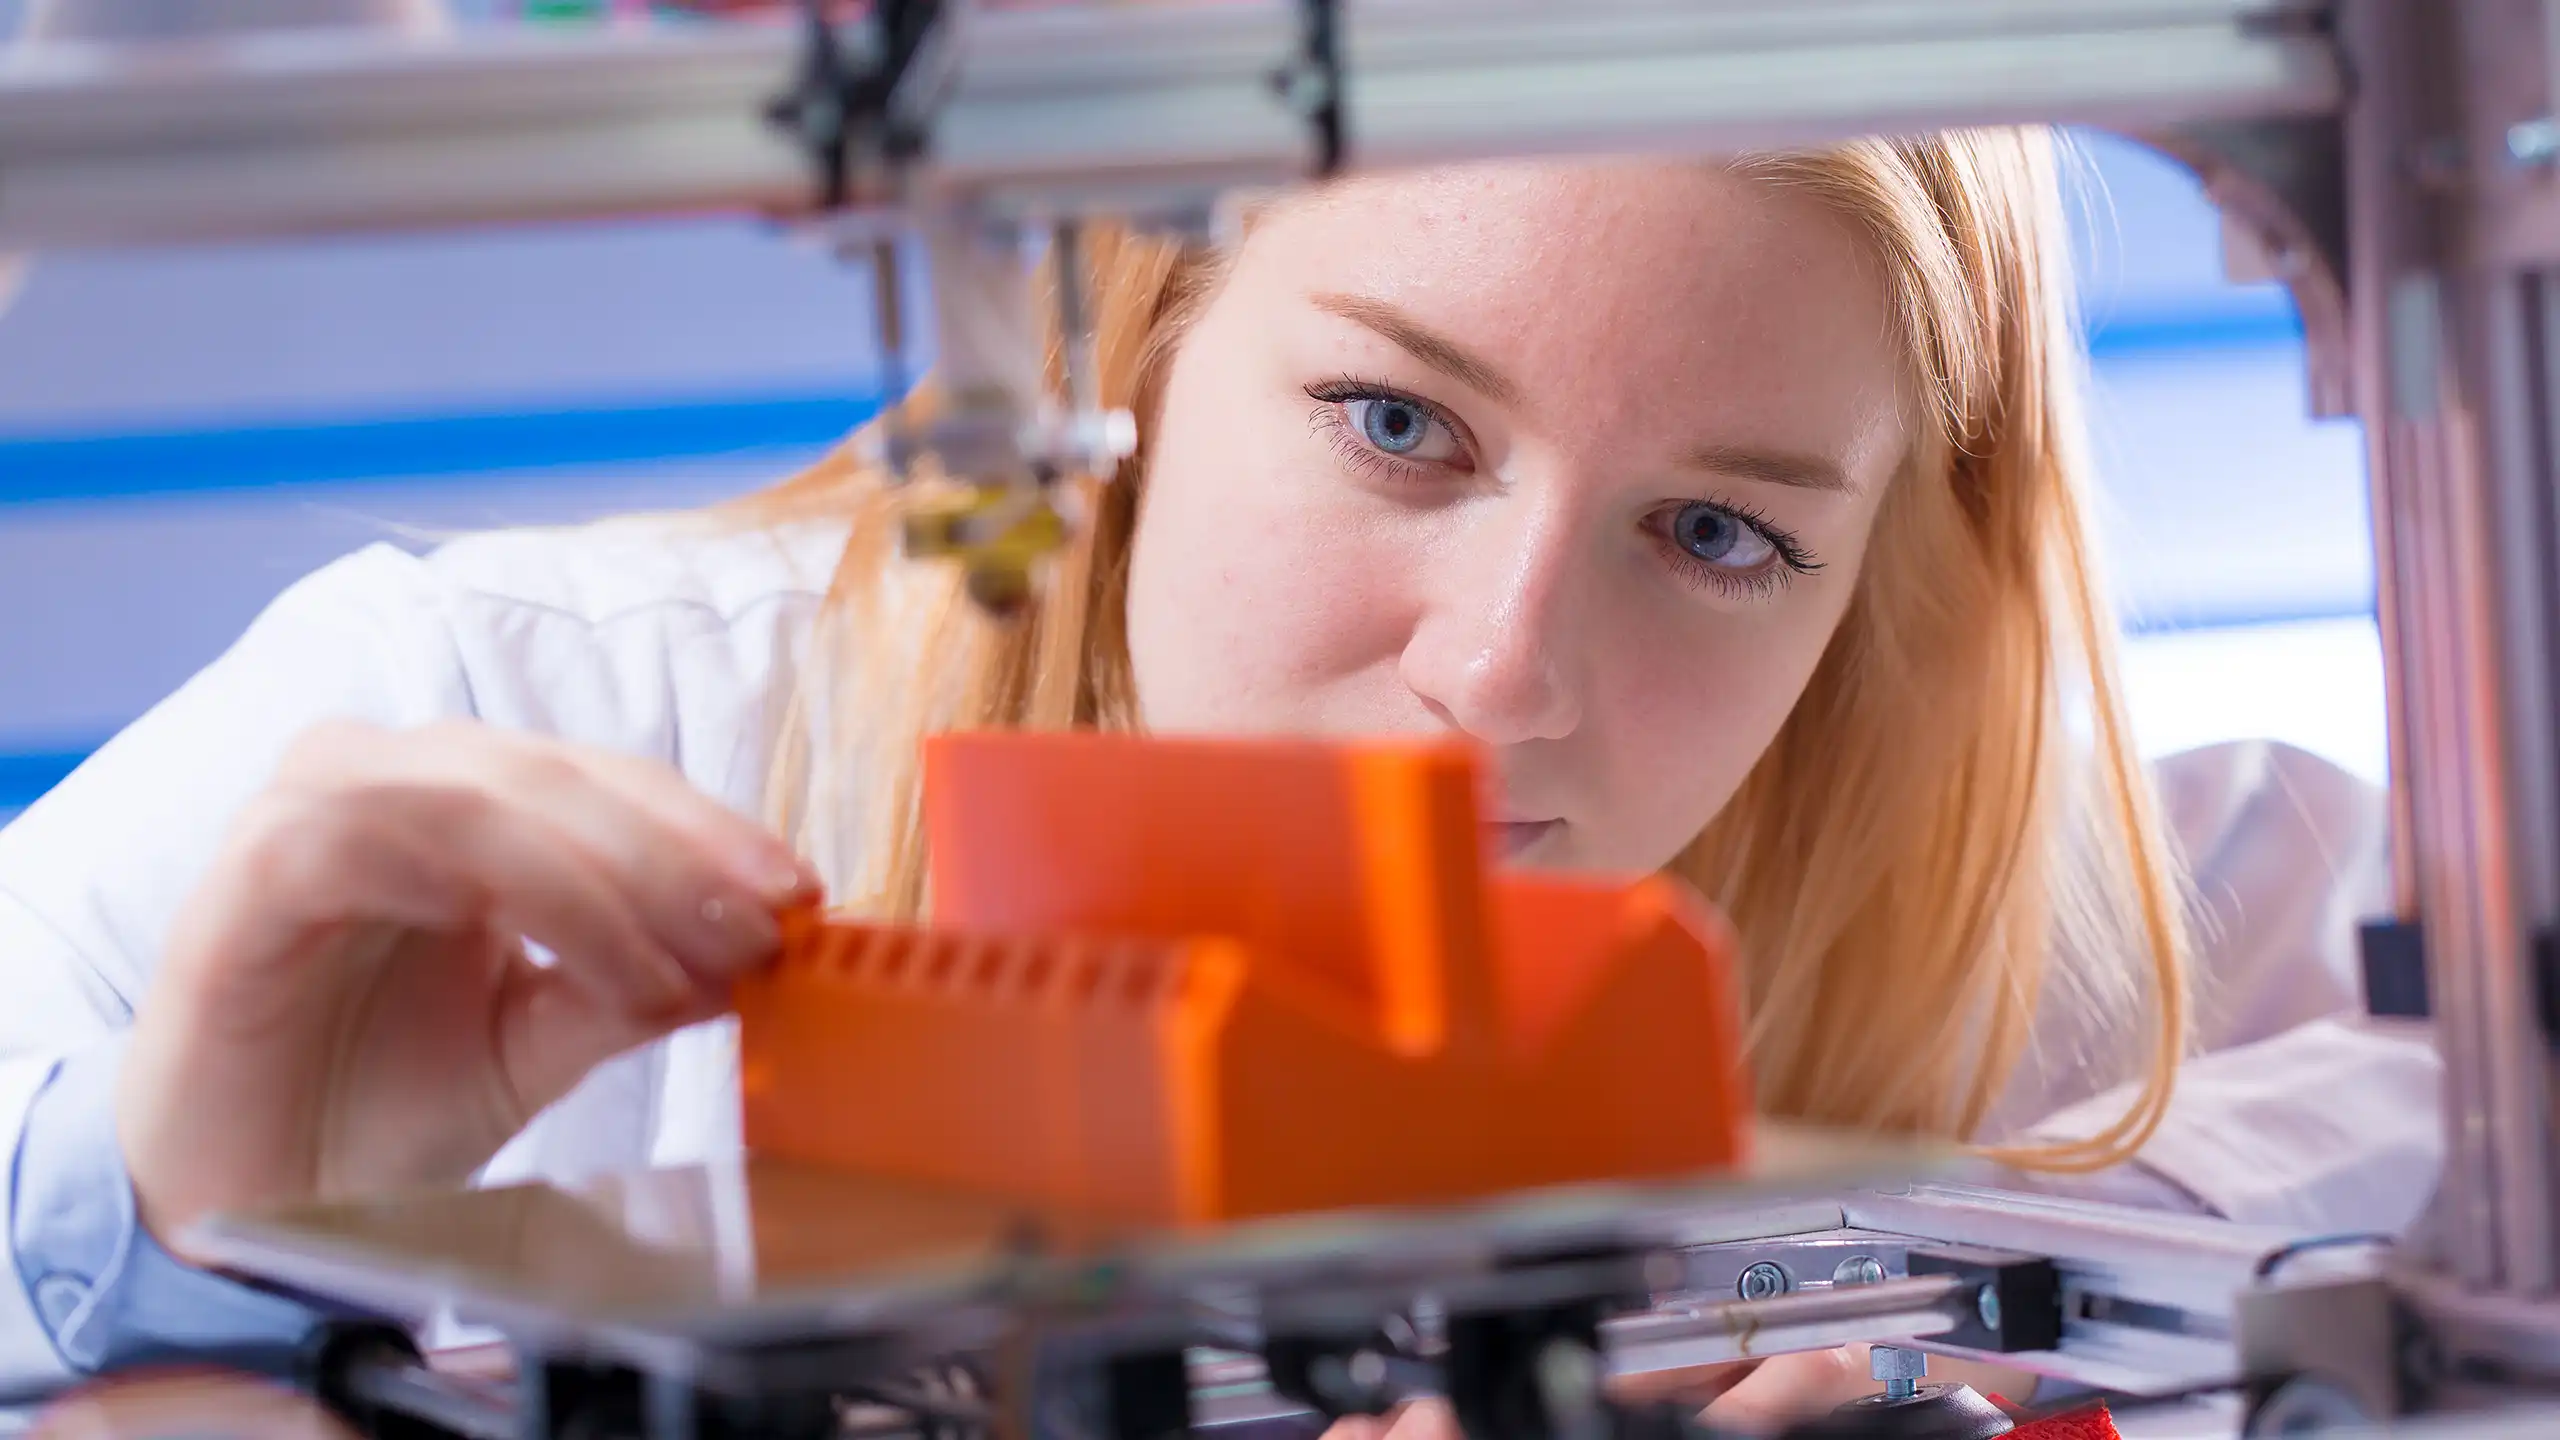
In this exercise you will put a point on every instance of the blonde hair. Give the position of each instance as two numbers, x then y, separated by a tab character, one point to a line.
1899	864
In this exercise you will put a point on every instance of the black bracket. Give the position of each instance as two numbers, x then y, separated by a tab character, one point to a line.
2017	1298
838	104
325	1372
2394	953
2395	968
1491	1367
2546	984
1312	83
1146	1396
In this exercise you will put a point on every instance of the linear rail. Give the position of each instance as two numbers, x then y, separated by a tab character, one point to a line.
1111	109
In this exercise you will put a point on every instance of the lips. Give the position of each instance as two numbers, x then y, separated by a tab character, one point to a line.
1512	837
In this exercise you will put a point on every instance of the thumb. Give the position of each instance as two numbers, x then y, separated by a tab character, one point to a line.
1695	1386
1786	1389
550	1031
186	1403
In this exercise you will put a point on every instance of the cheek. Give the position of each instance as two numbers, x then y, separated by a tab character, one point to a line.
1690	714
1260	600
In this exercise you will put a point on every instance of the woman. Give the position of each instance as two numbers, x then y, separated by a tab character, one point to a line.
1733	509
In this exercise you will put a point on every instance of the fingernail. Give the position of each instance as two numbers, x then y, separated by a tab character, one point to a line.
775	874
742	928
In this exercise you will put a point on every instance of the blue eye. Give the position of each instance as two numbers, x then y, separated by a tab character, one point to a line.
1720	538
1403	429
1392	425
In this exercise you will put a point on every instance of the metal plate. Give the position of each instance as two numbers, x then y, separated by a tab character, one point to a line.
663	1265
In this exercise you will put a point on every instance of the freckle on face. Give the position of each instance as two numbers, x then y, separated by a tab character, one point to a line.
1641	312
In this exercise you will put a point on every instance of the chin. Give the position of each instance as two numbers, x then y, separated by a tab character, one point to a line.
1545	846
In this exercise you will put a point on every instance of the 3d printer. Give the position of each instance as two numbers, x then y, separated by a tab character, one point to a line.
2390	160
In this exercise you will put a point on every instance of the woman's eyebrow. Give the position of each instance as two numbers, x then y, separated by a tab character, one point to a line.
1801	472
1770	467
1424	344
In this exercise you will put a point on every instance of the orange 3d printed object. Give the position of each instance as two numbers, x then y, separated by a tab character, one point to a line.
1175	980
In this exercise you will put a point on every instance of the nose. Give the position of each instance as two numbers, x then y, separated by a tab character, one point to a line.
1496	652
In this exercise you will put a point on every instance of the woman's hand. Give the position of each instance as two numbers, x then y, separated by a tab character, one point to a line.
149	1407
348	1002
1750	1396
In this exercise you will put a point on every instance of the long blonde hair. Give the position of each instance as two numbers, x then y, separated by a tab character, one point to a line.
1902	864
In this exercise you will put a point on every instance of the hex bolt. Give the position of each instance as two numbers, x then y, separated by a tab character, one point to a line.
1901	1370
1569	1376
1763	1281
2534	142
1368	1370
1858	1270
1334	1380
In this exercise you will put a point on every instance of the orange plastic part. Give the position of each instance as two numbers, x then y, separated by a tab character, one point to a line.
2094	1423
1182	980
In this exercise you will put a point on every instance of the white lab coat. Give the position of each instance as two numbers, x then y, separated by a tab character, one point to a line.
682	647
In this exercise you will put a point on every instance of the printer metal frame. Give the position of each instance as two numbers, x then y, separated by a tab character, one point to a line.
2395	163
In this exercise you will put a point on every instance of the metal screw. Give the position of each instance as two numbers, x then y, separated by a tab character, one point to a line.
1987	1305
2535	142
1901	1370
1569	1375
1763	1281
1858	1270
1368	1369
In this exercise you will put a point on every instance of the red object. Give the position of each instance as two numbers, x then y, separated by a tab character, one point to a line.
1181	980
2093	1423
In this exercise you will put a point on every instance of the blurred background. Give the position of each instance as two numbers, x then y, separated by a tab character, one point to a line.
184	433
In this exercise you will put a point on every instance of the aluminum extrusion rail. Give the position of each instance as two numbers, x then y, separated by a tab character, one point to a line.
1147	109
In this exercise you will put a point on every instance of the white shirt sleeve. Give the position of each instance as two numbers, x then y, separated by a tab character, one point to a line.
92	875
670	641
2297	1111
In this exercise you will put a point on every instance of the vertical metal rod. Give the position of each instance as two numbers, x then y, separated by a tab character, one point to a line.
2390	606
2458	480
2508	565
889	310
1075	323
2395	297
987	342
2420	476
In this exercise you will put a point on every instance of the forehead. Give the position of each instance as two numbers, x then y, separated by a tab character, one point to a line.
1677	292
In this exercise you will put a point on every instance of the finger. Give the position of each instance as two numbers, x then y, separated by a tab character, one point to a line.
298	861
753	855
186	1404
561	859
704	882
1789	1388
456	859
546	887
1697	1386
550	1035
1425	1420
709	880
297	865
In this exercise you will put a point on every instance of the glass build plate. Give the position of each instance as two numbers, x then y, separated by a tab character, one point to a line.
663	1266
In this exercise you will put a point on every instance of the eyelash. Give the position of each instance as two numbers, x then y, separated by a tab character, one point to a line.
1367	460
1363	458
1792	559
